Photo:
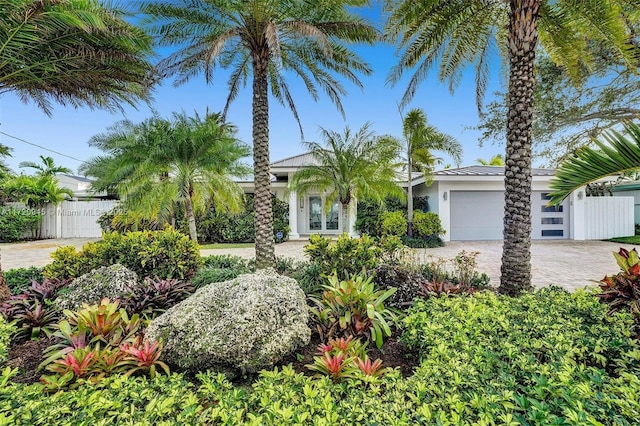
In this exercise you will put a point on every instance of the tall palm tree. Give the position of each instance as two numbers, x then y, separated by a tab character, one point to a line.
351	166
268	40
461	32
615	154
420	140
73	52
5	171
47	168
158	164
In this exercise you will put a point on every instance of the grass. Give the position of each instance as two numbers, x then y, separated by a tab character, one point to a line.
222	246
634	239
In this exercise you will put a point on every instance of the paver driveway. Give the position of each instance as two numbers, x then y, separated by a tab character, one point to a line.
570	264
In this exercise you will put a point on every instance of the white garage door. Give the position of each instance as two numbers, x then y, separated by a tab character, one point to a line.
478	215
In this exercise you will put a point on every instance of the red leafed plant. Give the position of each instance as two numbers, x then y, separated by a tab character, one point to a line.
345	358
143	356
622	291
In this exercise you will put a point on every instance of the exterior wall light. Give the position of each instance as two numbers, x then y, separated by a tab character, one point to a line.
444	196
580	195
301	202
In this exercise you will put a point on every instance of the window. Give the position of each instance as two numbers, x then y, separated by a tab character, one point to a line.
551	209
552	221
552	233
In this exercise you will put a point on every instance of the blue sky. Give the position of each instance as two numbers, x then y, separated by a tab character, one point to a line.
68	130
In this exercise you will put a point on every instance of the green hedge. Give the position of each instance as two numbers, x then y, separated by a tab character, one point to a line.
19	279
549	358
16	224
165	254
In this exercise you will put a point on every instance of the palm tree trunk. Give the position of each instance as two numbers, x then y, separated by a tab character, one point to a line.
409	202
265	245
191	219
516	251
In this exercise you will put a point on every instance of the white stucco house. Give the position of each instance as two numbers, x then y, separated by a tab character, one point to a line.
470	203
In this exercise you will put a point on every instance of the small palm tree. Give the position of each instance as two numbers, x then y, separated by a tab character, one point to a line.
420	140
616	154
160	165
351	166
269	40
47	168
496	160
36	191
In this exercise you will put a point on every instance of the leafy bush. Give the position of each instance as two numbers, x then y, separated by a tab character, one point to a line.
245	324
353	307
423	242
406	282
394	223
221	227
154	296
19	279
220	261
32	311
113	282
370	214
16	224
6	330
347	256
622	291
427	224
165	254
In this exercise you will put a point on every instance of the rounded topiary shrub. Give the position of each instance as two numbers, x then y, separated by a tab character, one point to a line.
427	224
114	282
246	324
394	223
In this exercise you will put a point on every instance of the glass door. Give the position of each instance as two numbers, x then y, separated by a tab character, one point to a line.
319	218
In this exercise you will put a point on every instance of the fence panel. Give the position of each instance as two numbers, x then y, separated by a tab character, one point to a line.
609	217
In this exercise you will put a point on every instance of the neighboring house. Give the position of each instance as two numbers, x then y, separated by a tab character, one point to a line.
470	203
81	187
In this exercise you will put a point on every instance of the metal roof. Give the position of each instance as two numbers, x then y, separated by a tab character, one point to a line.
296	161
488	171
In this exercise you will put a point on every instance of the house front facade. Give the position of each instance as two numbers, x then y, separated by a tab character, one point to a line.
470	203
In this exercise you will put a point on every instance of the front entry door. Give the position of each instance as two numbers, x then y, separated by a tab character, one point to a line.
319	219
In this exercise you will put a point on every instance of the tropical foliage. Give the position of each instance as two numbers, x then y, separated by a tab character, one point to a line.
268	40
459	33
47	168
351	166
73	52
616	153
160	165
420	140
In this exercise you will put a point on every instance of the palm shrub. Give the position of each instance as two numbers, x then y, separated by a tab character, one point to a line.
353	307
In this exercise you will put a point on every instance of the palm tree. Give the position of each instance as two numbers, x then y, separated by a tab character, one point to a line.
158	164
73	52
461	32
36	191
268	40
349	167
616	154
420	139
496	160
5	171
47	168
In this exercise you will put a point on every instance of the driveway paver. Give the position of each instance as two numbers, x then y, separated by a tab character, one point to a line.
569	264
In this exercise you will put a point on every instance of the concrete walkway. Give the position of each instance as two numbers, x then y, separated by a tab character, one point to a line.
570	264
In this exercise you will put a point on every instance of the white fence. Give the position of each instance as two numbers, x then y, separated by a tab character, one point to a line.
74	219
608	217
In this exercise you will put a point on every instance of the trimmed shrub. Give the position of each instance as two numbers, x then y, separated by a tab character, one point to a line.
112	282
222	227
19	279
248	323
163	254
427	224
394	223
6	330
17	224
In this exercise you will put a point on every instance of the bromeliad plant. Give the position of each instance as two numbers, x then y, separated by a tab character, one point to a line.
345	358
622	291
154	296
32	312
353	307
97	341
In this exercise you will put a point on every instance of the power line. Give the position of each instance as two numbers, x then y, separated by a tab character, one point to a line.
41	147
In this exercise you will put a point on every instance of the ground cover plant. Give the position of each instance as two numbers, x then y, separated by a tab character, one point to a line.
19	279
